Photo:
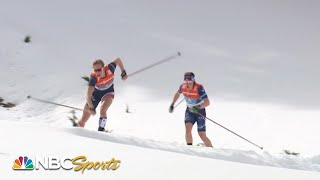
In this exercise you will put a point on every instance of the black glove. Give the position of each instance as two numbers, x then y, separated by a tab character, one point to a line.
171	108
123	73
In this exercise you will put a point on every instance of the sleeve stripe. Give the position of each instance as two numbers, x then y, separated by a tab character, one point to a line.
204	96
113	66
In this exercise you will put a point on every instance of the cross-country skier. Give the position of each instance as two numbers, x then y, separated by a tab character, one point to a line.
101	89
197	100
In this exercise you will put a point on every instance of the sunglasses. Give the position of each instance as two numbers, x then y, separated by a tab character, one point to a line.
97	70
188	81
188	78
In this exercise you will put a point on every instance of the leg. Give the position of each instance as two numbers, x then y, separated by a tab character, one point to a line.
188	135
106	101
189	122
205	139
86	113
201	122
85	116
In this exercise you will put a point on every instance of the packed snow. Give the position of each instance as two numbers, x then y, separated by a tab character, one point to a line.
257	60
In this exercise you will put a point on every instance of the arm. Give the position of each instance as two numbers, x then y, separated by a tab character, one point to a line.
89	95
205	103
89	101
119	63
175	98
205	100
92	83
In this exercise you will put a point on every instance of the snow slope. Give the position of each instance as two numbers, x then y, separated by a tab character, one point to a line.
140	158
257	60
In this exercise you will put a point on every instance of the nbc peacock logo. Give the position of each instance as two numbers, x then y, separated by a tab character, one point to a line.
23	163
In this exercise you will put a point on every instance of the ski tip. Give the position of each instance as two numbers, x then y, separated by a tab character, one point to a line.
29	97
261	148
179	53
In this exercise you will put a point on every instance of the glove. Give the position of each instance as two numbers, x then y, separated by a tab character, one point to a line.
123	74
194	109
171	108
92	109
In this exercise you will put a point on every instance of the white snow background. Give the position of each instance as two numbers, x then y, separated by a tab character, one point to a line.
257	60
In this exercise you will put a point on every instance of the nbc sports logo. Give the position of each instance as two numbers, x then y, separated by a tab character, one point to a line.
79	163
23	163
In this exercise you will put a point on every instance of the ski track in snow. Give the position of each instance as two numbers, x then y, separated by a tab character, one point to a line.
240	62
248	157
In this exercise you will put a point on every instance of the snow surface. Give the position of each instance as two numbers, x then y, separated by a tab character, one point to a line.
258	61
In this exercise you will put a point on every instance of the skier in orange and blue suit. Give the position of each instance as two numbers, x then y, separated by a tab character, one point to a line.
197	100
101	89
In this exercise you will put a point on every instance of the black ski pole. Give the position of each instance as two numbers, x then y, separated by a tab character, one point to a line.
260	147
57	104
156	63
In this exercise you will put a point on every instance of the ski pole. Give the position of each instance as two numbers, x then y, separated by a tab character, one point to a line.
49	102
179	103
156	63
260	147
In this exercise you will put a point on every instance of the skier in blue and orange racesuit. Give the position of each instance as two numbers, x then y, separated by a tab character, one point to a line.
101	89
197	100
